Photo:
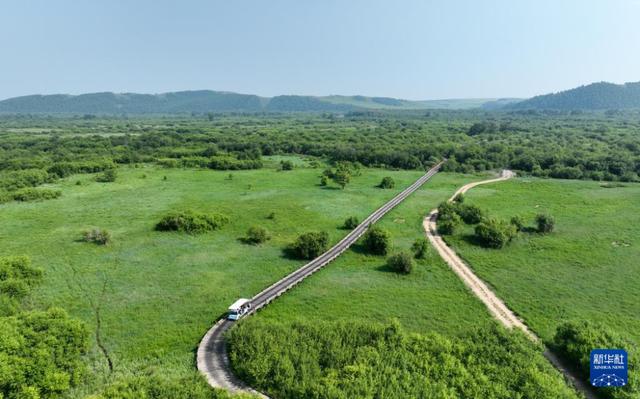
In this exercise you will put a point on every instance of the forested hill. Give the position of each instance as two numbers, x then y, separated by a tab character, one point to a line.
595	96
204	101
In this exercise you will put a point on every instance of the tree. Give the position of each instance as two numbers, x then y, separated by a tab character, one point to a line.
310	245
351	223
494	233
387	182
377	241
286	165
256	235
469	213
546	223
400	262
420	247
448	222
342	177
108	176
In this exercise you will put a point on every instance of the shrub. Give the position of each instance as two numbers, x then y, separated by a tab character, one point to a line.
271	216
97	236
448	222
546	223
351	223
324	180
459	199
494	233
256	235
401	262
470	214
191	222
310	245
574	341
35	194
387	182
377	241
420	247
42	354
517	222
286	165
108	176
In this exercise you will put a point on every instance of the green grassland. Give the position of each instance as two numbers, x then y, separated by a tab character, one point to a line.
358	287
586	270
159	292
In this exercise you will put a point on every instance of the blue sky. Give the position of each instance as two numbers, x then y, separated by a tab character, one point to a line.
415	49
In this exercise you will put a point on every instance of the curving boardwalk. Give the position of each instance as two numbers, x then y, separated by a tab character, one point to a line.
212	358
494	304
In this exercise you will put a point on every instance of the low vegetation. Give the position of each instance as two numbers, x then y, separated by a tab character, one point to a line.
350	223
494	233
387	182
574	341
310	245
377	241
357	360
401	262
40	351
97	236
191	222
108	176
256	235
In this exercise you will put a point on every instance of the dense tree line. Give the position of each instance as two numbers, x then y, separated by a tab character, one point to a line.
583	146
354	360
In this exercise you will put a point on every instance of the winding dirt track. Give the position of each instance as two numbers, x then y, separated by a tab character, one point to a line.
212	358
494	304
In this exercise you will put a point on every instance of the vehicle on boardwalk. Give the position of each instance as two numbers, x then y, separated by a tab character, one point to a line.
238	309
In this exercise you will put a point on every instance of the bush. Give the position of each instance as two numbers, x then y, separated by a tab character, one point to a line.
387	182
286	165
470	214
377	241
459	199
324	180
153	385
574	341
256	235
420	247
401	262
448	222
35	194
191	222
310	245
369	360
42	354
97	236
517	222
546	223
494	233
108	176
351	223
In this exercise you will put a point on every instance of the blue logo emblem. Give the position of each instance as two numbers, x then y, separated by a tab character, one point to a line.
609	368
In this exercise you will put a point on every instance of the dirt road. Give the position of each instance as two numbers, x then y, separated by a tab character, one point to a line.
494	304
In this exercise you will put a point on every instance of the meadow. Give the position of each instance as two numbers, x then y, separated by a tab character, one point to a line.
159	292
587	269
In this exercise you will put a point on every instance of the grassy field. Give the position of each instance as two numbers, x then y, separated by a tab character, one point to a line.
587	269
357	286
159	292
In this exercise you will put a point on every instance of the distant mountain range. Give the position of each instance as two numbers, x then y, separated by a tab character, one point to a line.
203	101
596	96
